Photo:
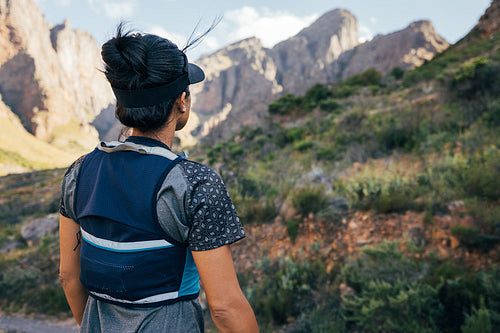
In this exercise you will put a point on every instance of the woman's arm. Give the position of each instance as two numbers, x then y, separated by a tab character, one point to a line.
69	269
230	310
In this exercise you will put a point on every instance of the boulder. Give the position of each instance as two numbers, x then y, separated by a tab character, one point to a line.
40	227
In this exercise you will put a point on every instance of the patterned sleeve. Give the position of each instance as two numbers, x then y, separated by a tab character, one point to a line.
213	218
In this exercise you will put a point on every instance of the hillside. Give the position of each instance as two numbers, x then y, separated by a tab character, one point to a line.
50	81
21	151
371	204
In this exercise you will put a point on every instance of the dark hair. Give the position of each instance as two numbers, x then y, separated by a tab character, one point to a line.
139	61
134	60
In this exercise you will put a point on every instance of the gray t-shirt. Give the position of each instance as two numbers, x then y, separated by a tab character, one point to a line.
193	207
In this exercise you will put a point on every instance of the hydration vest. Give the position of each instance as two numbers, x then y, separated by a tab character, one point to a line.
126	257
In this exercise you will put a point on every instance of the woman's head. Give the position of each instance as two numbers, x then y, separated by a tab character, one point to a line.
147	73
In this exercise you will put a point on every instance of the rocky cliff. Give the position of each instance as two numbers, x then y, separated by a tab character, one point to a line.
490	21
245	76
406	49
310	56
49	76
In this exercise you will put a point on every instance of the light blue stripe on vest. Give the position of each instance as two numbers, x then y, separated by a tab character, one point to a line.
151	299
125	246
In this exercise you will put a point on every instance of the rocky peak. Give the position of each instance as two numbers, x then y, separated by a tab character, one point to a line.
306	58
230	72
490	21
406	48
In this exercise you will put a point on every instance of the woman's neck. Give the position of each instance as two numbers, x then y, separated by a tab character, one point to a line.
165	134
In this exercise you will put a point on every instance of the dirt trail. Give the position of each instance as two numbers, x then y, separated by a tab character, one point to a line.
19	324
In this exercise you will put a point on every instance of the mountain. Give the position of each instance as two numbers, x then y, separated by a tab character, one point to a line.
407	48
49	76
244	77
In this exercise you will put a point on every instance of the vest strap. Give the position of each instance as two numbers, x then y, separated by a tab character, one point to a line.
113	146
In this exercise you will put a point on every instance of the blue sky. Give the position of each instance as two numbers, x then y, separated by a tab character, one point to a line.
269	20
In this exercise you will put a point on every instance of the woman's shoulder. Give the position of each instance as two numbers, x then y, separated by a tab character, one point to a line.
197	172
75	166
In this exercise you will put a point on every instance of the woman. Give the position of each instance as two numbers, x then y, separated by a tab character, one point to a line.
140	225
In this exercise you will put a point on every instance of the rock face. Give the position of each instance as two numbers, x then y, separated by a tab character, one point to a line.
309	57
49	76
490	21
244	77
406	48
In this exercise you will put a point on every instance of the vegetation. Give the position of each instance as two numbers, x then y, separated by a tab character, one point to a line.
412	141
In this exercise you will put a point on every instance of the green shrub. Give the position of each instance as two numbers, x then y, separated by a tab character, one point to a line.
330	105
315	95
367	78
481	176
309	199
476	77
292	228
295	134
303	145
389	292
397	73
382	192
286	104
479	320
468	236
285	289
343	91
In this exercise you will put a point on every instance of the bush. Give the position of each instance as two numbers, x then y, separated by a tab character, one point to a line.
285	289
286	104
477	77
481	176
315	95
397	73
382	192
330	105
370	77
389	293
479	320
292	228
309	200
295	134
303	145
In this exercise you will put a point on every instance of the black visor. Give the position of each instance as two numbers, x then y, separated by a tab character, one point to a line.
136	98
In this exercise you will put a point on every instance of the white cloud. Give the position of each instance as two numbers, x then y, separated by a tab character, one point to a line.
113	9
364	33
178	39
270	27
373	19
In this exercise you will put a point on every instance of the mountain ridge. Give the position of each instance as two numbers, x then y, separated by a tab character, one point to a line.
50	78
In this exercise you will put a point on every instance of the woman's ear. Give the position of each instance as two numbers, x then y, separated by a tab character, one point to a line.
181	102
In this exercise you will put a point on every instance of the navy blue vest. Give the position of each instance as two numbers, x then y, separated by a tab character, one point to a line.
126	257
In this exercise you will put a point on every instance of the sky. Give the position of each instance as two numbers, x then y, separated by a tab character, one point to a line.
270	20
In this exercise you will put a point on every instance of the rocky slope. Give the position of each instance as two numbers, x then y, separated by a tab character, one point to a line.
49	75
244	77
490	21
